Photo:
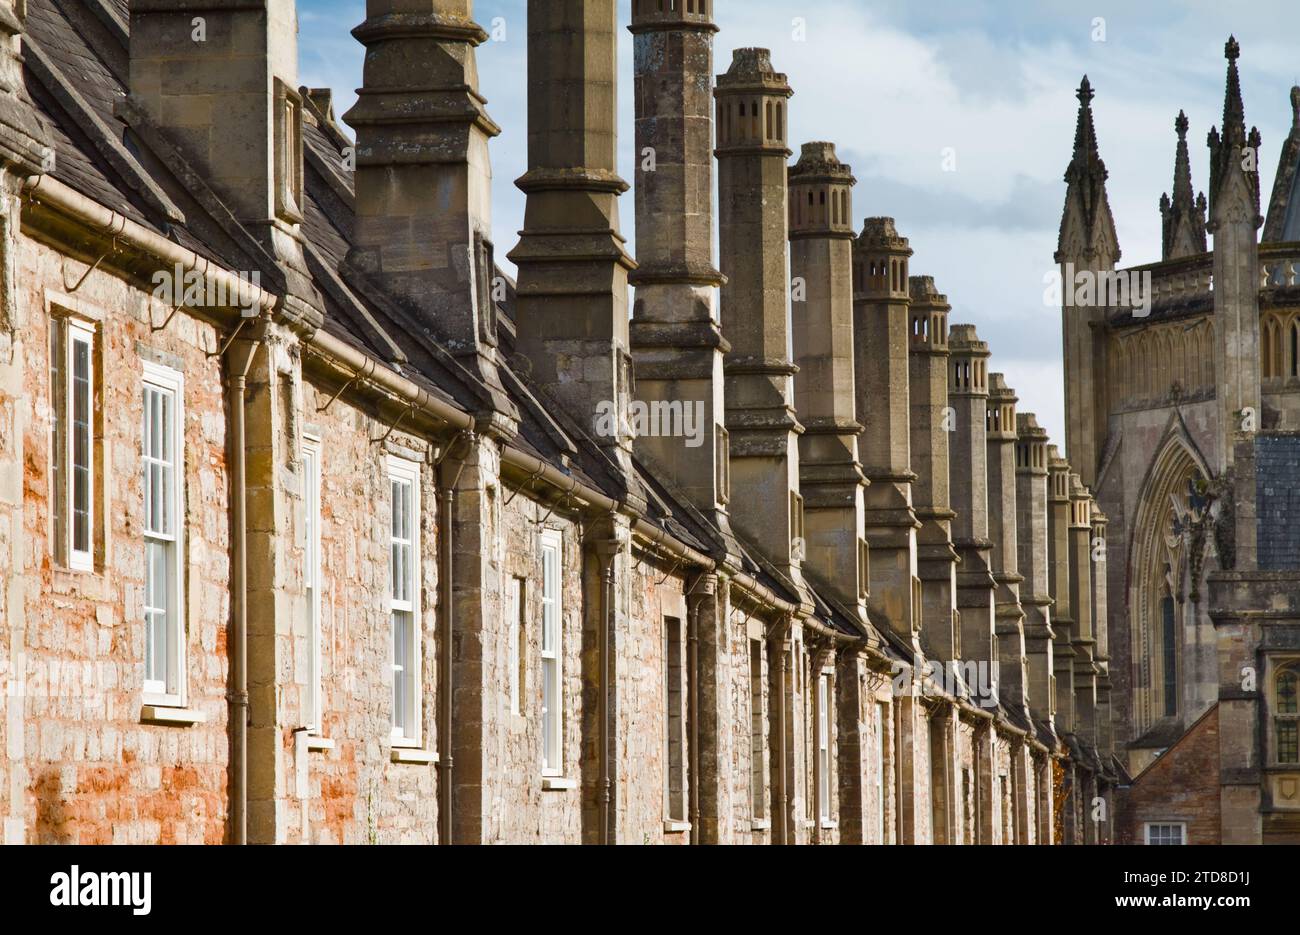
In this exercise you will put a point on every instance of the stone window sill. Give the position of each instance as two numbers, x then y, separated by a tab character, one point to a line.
413	755
676	827
830	824
760	824
170	717
558	783
322	744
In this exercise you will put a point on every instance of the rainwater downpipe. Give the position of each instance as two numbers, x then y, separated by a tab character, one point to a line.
693	709
238	366
607	556
782	667
449	476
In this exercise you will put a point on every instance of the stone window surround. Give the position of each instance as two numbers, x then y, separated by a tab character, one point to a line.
551	542
412	737
69	332
311	480
1276	666
169	705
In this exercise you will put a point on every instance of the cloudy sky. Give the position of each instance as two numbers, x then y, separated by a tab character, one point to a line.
896	84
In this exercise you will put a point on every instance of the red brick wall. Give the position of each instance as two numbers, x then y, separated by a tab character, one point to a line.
1182	785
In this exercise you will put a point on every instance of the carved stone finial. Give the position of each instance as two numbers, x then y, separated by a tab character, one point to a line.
1180	125
1085	93
1231	50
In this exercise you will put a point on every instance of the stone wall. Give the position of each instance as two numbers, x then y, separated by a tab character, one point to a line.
356	793
641	752
82	767
746	826
516	807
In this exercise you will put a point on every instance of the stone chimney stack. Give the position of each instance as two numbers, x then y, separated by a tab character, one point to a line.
968	397
571	296
220	81
1083	642
821	269
1058	559
751	114
677	344
423	179
1009	617
931	419
1033	563
880	362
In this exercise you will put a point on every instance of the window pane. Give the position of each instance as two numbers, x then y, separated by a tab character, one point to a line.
165	423
157	599
80	446
823	701
1288	735
166	455
403	672
399	573
311	504
549	623
515	620
549	752
1170	657
400	558
1165	834
159	462
552	698
1287	681
153	503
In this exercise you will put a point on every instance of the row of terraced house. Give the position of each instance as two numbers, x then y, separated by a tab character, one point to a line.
317	527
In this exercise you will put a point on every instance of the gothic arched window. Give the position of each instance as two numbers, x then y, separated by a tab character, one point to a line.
1166	564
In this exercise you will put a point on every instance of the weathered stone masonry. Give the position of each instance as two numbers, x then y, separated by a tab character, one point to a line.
595	635
1179	401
